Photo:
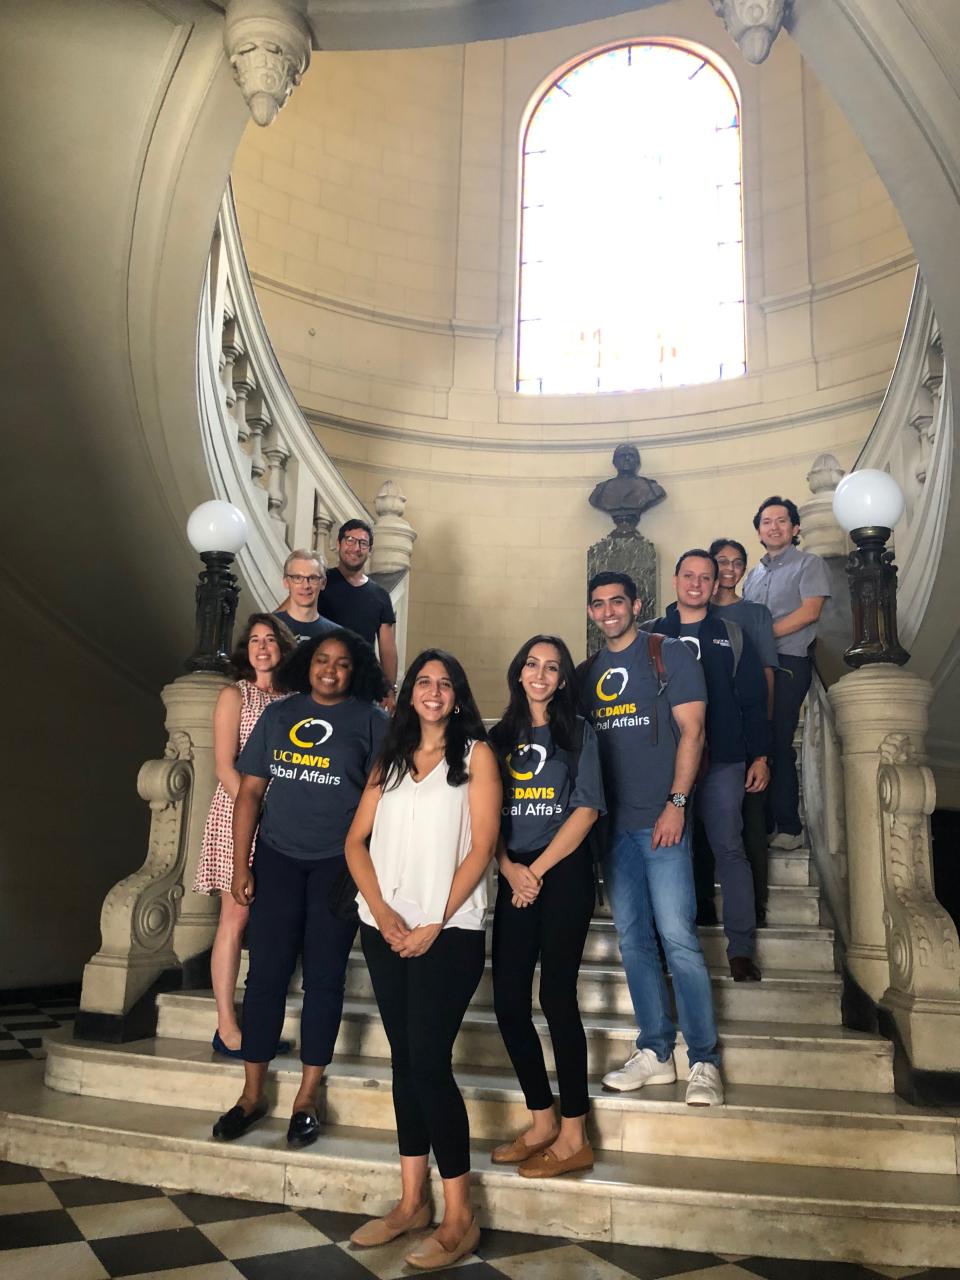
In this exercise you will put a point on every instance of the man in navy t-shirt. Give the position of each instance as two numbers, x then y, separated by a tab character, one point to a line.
649	718
304	577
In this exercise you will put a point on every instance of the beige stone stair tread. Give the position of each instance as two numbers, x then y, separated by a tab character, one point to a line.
762	1101
30	1109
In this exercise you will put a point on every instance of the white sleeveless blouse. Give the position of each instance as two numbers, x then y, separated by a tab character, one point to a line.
421	834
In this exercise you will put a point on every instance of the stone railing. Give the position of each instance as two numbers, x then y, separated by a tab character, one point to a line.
262	456
913	440
824	808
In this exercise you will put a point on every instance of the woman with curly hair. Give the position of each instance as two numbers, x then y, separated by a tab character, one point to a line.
302	774
261	647
431	812
545	899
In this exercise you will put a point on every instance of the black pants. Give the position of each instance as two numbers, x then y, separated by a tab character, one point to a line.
290	916
790	685
422	1002
552	930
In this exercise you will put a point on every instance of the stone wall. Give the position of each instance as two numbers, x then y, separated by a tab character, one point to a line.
380	219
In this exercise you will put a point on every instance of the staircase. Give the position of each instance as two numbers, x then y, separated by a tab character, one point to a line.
812	1157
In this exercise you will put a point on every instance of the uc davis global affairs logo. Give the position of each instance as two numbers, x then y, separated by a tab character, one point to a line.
541	753
539	799
306	735
612	713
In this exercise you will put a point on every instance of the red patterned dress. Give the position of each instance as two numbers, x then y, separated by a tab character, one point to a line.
215	868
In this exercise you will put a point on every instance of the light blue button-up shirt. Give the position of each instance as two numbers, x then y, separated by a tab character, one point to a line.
782	583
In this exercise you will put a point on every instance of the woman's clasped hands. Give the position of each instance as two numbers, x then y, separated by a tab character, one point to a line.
524	883
405	942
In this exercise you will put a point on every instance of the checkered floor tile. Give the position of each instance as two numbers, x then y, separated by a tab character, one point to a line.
55	1224
24	1023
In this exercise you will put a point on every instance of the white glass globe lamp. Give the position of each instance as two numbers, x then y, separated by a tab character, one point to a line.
217	526
868	499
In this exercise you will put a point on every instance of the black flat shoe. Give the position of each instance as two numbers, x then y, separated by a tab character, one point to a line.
743	969
235	1122
303	1129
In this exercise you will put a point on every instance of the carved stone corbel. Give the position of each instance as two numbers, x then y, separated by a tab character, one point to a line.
268	43
752	25
922	943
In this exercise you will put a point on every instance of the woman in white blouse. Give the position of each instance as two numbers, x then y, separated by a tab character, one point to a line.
431	810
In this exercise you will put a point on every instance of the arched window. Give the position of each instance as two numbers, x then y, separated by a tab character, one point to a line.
631	244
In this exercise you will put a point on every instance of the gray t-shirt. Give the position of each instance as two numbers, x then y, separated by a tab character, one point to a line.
317	759
538	797
782	583
636	729
757	622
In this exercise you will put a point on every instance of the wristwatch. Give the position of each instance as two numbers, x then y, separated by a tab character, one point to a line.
679	800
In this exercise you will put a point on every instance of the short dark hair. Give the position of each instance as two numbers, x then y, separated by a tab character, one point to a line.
610	578
777	501
367	681
240	658
355	524
718	544
698	553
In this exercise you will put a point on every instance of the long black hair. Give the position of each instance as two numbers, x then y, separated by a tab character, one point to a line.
367	681
403	736
517	722
240	658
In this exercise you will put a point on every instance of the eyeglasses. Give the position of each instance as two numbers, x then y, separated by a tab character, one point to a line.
730	564
351	541
305	579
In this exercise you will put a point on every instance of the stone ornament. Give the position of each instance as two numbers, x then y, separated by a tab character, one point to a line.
752	25
268	44
922	941
628	494
393	536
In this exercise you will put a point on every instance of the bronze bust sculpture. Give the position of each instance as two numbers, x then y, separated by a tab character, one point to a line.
628	494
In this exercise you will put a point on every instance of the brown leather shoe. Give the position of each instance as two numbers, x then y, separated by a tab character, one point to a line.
516	1150
432	1255
376	1231
546	1164
743	969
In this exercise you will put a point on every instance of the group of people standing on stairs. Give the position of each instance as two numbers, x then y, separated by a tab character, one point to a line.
337	805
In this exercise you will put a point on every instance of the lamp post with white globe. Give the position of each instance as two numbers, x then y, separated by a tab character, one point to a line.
868	505
217	531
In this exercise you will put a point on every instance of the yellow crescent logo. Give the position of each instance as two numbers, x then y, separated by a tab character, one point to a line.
297	741
612	671
527	746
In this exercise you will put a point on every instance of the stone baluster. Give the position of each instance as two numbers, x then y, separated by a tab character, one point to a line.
821	533
903	949
232	349
393	535
244	384
258	421
150	928
322	526
277	455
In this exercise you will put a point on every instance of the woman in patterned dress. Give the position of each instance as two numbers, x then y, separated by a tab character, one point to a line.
262	646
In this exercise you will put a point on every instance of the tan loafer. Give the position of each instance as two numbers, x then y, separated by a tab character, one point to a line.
377	1231
432	1255
546	1164
516	1151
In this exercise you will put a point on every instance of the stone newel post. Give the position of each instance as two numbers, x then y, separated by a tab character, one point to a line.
903	948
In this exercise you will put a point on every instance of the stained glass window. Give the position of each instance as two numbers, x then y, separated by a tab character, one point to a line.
631	245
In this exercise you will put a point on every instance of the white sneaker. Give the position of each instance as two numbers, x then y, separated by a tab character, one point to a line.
642	1067
786	842
704	1087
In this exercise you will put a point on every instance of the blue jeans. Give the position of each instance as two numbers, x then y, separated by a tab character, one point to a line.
651	891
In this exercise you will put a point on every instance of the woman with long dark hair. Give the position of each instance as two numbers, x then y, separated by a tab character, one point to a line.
431	812
545	898
261	648
302	771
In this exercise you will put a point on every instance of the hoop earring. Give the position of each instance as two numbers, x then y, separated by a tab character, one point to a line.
456	711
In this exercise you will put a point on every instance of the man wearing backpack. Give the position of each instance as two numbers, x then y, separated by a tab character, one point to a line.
737	735
646	698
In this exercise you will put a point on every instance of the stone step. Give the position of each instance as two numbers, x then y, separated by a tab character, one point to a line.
784	995
779	1210
760	1123
786	904
764	1053
788	868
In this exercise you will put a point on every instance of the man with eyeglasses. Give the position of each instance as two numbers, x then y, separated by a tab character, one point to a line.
351	600
304	577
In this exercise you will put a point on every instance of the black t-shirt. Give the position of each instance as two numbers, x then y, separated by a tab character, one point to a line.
306	630
317	759
362	609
